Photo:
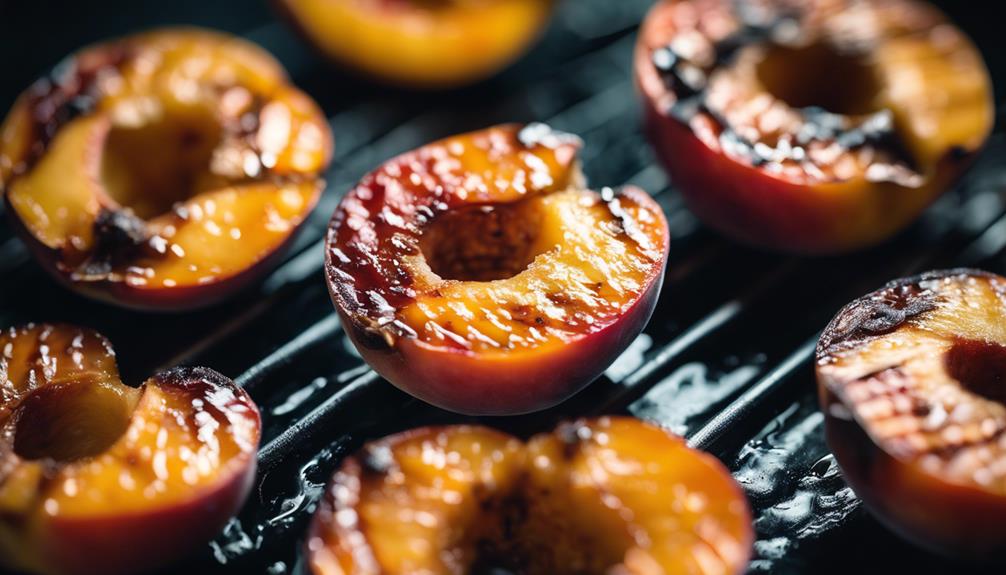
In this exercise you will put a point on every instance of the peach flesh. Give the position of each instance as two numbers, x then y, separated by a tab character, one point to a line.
425	44
594	496
62	423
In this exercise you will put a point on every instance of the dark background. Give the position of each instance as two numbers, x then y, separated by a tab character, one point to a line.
730	343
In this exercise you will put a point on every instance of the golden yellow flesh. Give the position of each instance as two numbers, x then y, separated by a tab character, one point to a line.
451	43
196	133
585	269
595	497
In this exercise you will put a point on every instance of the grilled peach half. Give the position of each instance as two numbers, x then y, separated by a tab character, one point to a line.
478	274
164	170
609	495
97	477
811	127
421	43
911	383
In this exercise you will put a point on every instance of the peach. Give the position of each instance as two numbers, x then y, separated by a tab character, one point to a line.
164	170
421	43
100	478
609	495
477	274
911	384
811	127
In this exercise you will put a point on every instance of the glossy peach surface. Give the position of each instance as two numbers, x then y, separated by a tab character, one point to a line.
477	274
610	495
162	170
422	43
811	126
98	477
910	379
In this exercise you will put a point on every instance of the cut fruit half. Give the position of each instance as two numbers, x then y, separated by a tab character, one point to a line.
479	275
164	170
806	126
100	478
911	379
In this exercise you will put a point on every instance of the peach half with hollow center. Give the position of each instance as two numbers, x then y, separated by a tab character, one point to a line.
97	477
478	274
163	170
911	379
609	495
809	126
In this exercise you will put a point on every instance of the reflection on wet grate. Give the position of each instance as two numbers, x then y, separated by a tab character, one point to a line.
726	360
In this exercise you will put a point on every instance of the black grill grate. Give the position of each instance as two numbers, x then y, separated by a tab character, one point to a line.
726	360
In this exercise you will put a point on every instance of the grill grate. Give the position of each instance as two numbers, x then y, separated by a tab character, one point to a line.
726	360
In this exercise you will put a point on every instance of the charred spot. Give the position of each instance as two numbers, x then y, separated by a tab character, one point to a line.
559	299
119	229
875	129
375	339
688	79
685	78
958	153
517	512
980	367
625	223
119	237
877	314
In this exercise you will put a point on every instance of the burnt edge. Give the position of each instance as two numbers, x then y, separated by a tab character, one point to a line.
66	92
189	378
875	314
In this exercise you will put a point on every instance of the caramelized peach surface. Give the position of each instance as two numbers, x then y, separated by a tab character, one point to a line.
163	169
809	125
98	477
611	495
911	382
481	257
425	43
